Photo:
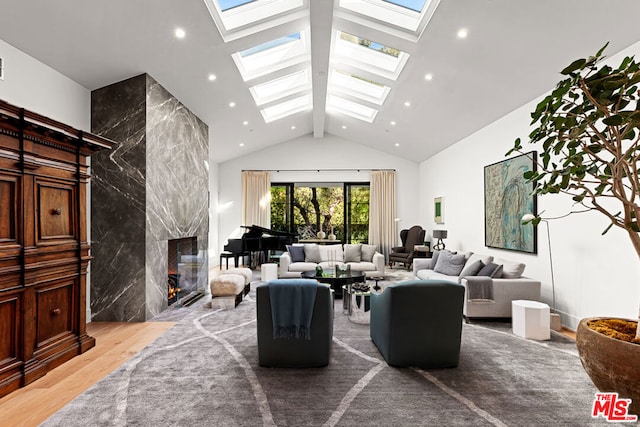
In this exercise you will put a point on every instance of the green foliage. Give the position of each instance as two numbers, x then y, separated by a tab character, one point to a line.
588	130
316	208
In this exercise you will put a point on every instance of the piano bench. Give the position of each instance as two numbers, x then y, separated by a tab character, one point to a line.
227	255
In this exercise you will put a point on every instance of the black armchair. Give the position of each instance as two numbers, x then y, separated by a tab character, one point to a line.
295	352
404	254
418	323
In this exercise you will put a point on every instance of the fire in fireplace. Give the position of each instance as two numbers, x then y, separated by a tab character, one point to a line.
182	268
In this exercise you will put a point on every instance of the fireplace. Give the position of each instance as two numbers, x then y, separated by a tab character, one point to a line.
185	271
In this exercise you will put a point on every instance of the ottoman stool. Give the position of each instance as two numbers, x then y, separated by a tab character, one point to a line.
530	319
268	272
244	272
227	290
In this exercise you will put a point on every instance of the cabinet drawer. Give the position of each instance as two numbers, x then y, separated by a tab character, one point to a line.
55	309
10	314
55	214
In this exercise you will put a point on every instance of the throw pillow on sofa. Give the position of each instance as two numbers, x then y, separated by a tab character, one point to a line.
434	260
312	253
472	269
491	270
449	263
352	253
368	251
511	270
296	252
330	253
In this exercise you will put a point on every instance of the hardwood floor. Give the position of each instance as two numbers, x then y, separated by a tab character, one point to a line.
116	342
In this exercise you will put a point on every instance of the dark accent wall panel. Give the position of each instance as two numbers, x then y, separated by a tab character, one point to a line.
152	188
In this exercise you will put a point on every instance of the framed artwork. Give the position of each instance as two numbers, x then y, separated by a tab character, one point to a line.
438	210
507	198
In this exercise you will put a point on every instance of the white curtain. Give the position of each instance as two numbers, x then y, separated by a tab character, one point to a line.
256	198
383	229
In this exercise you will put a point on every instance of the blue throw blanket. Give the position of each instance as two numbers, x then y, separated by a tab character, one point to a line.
292	302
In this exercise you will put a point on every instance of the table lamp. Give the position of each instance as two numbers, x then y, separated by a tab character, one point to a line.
439	234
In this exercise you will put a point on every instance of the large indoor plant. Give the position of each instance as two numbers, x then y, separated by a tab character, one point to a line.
587	131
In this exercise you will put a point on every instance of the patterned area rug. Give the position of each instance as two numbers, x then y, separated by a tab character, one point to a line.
204	371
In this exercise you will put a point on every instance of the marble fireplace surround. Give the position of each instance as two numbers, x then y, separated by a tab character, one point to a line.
151	188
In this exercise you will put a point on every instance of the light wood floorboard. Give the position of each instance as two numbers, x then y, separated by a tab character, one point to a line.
116	342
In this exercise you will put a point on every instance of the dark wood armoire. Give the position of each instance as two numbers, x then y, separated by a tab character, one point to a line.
44	252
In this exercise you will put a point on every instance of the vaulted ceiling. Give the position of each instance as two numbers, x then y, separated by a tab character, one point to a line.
395	75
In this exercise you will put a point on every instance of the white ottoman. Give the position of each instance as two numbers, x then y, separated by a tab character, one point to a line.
244	272
268	272
530	319
227	286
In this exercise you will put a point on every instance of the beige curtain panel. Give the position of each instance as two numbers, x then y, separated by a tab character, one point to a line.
256	198
383	229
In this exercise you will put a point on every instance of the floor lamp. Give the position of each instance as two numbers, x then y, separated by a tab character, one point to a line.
556	324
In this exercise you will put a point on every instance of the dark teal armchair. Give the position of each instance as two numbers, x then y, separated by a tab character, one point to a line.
418	323
295	352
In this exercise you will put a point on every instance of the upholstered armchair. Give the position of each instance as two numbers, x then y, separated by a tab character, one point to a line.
418	323
290	308
404	254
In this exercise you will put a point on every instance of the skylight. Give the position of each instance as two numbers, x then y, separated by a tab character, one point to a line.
350	108
287	108
281	87
415	5
273	55
270	44
230	4
358	87
234	14
409	15
369	55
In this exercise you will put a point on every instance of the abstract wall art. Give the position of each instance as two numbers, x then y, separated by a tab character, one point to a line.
507	198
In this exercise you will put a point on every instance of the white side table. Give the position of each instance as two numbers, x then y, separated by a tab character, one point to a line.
530	319
268	272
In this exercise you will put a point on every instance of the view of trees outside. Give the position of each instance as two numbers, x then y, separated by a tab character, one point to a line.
358	213
307	210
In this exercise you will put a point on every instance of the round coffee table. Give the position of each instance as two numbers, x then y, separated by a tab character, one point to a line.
336	279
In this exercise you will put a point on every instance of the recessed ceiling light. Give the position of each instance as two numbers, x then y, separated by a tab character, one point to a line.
428	76
397	145
179	32
245	123
393	123
293	127
407	104
232	104
344	126
241	144
462	33
212	77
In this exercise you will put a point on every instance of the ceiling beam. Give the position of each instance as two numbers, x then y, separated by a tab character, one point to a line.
321	23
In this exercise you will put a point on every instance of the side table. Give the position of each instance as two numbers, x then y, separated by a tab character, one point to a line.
356	305
530	319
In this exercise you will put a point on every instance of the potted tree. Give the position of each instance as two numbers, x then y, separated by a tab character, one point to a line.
588	133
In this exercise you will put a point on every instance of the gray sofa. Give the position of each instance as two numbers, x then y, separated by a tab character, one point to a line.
306	257
505	280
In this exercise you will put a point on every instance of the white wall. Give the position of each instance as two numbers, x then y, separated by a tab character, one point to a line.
35	86
310	154
594	274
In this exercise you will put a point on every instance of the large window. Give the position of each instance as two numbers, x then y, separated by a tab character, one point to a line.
338	208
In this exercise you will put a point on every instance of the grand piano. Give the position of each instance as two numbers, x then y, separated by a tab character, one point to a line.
257	242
